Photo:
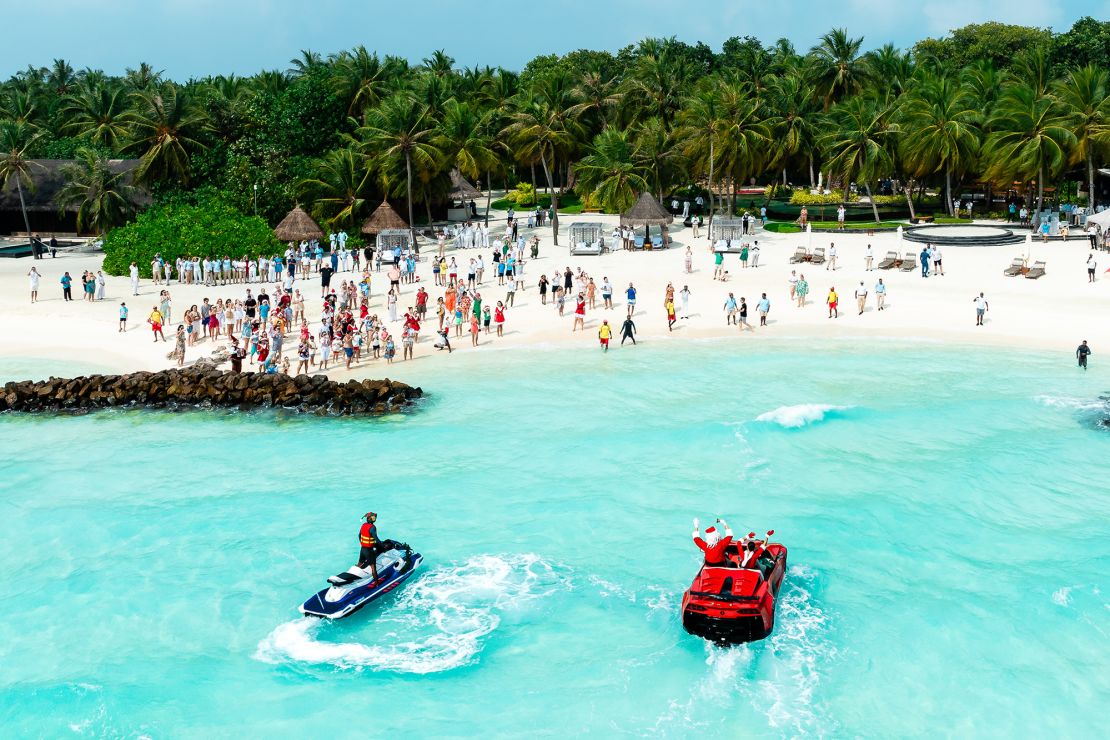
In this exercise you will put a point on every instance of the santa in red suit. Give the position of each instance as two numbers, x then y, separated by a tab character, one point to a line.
713	544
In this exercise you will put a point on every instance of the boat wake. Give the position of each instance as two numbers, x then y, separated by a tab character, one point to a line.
777	678
800	415
438	622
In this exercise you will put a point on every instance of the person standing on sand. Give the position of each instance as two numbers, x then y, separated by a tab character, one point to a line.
607	293
981	308
743	323
689	259
718	264
67	287
938	261
123	317
924	257
179	348
861	297
801	290
34	277
1092	265
792	281
755	255
832	301
604	334
630	296
684	294
764	308
579	313
1081	354
475	330
868	258
880	294
831	263
669	306
134	279
730	310
628	331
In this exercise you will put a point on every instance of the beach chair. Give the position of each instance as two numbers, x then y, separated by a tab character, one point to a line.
800	255
639	243
1015	268
889	261
657	242
909	262
1036	270
818	256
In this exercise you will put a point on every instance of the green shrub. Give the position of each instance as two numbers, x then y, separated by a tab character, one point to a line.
778	191
805	198
523	195
888	200
180	229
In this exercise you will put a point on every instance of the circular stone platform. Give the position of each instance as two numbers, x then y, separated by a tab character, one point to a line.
963	236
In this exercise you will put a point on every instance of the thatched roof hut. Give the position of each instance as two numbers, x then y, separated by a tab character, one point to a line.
461	189
646	212
384	217
298	226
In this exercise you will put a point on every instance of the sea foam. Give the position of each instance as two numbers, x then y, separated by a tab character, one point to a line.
800	415
438	622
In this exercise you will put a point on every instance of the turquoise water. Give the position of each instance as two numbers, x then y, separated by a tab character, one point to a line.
947	514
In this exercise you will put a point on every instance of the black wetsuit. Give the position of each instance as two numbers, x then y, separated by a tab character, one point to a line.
1082	353
627	331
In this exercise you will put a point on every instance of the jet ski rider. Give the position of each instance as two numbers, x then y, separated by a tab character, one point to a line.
370	545
713	545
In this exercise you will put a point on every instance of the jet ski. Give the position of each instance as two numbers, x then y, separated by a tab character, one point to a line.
354	588
729	604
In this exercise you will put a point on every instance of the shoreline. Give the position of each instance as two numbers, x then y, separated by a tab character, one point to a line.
1052	314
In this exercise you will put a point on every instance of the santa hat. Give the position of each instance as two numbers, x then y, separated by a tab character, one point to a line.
712	536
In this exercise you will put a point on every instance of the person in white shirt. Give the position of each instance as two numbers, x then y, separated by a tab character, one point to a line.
34	275
134	279
830	263
1091	267
861	297
938	260
792	281
868	258
981	308
754	254
684	294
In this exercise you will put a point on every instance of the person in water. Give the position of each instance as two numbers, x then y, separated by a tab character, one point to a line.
1081	354
370	545
713	545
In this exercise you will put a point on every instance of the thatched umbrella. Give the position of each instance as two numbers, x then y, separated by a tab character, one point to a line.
646	212
298	226
461	189
384	217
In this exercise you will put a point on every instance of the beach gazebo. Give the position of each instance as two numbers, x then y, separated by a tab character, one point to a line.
384	218
298	226
725	229
586	237
647	212
461	192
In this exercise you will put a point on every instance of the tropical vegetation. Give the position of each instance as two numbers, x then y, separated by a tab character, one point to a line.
1004	108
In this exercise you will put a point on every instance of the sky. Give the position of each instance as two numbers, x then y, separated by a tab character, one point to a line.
194	38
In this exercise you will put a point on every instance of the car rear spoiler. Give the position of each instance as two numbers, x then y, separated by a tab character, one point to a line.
722	597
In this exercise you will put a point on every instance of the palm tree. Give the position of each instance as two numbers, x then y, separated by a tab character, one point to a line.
104	199
99	114
656	152
1030	137
609	173
836	67
700	123
16	140
599	95
1083	94
361	79
166	125
545	128
745	137
401	130
891	69
143	78
338	186
653	88
857	143
794	120
944	134
307	63
464	136
61	78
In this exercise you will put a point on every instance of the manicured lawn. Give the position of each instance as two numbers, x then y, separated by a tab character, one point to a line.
568	203
786	227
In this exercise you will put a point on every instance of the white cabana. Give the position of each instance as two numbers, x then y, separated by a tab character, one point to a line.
390	238
586	238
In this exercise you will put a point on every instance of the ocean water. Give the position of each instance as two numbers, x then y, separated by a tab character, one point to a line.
947	514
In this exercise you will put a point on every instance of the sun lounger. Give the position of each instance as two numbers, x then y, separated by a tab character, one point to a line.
909	262
639	242
582	248
818	256
800	255
1015	267
1035	271
889	261
657	242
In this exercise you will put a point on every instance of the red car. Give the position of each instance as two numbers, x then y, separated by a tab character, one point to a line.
729	604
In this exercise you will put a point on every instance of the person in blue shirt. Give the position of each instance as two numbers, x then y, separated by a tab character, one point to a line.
764	307
630	294
67	287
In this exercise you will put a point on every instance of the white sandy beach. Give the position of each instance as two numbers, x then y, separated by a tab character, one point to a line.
1054	312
